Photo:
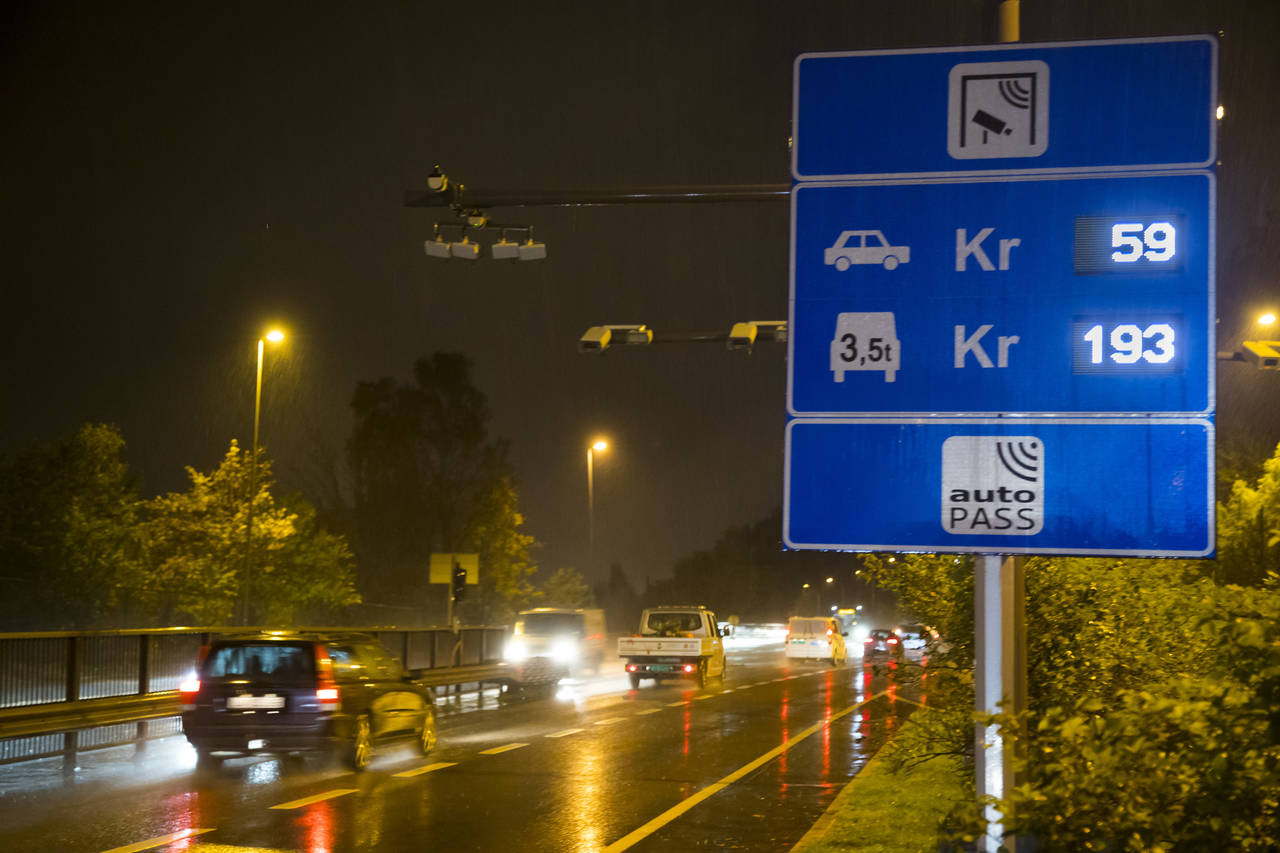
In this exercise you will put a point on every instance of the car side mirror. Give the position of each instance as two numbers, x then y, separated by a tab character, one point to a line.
724	632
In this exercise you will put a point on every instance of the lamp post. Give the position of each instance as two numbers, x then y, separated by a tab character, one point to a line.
596	446
275	336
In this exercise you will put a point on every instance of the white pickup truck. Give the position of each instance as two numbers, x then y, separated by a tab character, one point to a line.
674	642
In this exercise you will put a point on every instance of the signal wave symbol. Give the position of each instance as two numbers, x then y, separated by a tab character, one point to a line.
1021	459
1016	92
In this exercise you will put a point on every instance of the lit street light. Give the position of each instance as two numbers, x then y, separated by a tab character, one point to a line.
596	446
275	336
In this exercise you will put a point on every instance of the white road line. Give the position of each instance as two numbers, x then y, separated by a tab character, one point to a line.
727	690
498	749
318	798
676	704
649	711
566	733
158	841
608	721
418	771
703	696
636	836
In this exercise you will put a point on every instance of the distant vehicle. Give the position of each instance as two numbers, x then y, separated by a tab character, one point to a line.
816	637
914	637
865	247
674	642
280	692
882	642
557	639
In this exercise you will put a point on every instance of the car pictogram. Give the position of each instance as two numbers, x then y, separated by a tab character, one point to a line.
865	247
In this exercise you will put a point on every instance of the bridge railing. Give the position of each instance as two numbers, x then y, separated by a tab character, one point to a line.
57	685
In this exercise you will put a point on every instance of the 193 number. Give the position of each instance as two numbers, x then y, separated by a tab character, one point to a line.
1156	242
1129	343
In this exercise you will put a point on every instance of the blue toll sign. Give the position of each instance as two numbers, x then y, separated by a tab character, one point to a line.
1134	104
1062	295
1100	486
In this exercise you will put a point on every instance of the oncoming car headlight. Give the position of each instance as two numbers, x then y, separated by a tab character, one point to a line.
564	650
516	651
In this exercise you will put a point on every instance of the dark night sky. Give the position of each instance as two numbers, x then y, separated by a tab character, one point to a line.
177	176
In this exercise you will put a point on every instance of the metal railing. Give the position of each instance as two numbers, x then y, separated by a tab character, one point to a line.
62	691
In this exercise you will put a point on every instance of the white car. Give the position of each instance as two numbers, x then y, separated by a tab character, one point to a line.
865	247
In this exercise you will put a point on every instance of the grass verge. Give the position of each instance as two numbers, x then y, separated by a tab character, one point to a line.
883	811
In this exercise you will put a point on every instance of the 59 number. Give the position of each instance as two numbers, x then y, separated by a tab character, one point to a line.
1156	242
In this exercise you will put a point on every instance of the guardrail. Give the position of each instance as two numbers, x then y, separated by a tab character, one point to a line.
55	686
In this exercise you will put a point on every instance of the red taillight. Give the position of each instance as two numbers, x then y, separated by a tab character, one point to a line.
326	688
867	640
632	667
189	687
688	667
893	641
830	632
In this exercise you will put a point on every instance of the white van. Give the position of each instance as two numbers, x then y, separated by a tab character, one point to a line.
572	639
816	638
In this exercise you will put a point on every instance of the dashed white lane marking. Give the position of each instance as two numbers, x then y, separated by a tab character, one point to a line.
418	771
608	721
649	711
727	690
158	841
318	798
506	748
566	733
703	696
676	704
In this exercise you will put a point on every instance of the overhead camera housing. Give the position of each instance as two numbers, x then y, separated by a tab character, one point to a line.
532	251
600	338
504	250
437	181
436	248
745	335
465	249
1265	355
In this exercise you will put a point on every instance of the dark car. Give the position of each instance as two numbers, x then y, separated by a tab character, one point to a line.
881	642
280	692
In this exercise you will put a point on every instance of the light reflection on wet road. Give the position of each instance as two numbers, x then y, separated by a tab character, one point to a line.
597	764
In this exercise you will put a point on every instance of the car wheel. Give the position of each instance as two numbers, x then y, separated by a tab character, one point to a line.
890	263
635	680
842	264
361	747
427	737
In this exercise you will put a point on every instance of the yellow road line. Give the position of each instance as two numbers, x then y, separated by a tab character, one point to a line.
634	837
498	749
156	842
418	771
566	733
318	798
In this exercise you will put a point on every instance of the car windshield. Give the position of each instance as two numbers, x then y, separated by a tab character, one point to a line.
669	623
880	634
549	623
292	663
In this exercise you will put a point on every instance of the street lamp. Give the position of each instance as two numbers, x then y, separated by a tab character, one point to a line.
275	336
1266	319
596	446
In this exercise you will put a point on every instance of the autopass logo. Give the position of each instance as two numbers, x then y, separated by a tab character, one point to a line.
993	484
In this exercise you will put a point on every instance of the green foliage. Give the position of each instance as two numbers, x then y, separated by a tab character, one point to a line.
1153	718
1249	529
194	546
566	588
67	545
426	478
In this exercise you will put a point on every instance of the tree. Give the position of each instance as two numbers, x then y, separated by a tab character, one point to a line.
566	588
67	545
426	478
1249	529
194	546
